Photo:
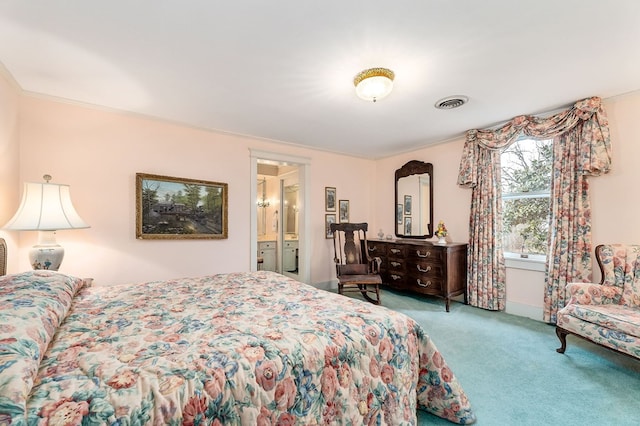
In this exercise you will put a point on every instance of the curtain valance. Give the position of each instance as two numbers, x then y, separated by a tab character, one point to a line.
595	145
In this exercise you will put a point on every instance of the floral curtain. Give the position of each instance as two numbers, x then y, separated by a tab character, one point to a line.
582	147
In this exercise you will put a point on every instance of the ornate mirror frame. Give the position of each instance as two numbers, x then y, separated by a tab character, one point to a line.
414	200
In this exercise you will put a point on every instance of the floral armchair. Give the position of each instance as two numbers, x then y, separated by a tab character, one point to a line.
607	313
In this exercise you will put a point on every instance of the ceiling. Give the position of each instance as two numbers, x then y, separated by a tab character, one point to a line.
283	70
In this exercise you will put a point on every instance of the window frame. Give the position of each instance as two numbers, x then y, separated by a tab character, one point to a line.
529	261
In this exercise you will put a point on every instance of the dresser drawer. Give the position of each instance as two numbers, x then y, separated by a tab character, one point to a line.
397	251
424	284
397	265
395	279
377	249
426	254
425	267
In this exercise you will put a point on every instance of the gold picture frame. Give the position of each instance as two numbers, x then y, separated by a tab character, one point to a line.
171	208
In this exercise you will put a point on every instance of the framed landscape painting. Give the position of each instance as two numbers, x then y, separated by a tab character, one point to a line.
173	208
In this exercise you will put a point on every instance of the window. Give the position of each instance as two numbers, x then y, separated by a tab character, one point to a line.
526	184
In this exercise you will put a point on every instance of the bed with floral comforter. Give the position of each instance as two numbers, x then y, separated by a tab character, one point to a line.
241	348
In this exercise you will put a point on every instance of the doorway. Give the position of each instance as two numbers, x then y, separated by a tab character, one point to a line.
279	223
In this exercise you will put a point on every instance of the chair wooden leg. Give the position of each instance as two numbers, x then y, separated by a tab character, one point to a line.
562	335
365	293
340	288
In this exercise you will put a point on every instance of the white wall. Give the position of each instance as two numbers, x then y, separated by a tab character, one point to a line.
98	153
10	188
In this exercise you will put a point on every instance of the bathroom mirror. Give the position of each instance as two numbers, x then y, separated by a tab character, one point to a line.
414	200
292	206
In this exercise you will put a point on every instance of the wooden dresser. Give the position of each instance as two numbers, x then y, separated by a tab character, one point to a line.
423	267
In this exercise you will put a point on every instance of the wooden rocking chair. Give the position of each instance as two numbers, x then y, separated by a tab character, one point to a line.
355	270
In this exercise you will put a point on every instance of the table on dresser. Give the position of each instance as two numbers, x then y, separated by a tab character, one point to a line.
423	267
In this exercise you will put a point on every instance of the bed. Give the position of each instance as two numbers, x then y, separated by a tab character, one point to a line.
240	348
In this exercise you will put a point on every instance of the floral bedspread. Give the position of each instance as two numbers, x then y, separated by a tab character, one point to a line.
241	348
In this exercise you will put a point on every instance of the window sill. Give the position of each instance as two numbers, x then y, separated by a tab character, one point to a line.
531	263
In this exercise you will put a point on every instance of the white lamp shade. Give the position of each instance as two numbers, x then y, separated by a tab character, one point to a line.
45	207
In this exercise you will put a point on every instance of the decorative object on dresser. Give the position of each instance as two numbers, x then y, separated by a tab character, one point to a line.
423	267
441	233
414	198
46	207
355	269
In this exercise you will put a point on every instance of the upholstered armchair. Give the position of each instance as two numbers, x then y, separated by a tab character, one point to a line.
607	313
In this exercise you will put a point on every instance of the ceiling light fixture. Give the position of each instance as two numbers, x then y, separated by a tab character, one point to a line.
374	84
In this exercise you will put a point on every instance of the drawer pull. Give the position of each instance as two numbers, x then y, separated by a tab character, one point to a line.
427	269
427	254
396	264
421	284
373	248
395	251
396	277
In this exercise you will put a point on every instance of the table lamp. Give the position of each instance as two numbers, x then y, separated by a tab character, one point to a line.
45	207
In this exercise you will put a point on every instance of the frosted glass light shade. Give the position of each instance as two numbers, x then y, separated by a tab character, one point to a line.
45	207
374	84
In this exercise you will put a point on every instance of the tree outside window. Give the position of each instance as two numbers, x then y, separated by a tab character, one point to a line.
526	185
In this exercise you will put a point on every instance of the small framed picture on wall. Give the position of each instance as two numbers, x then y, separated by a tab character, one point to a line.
399	214
344	211
330	199
328	220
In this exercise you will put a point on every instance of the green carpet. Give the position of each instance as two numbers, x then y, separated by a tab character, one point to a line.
512	374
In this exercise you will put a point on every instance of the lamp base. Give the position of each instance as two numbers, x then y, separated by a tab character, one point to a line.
47	254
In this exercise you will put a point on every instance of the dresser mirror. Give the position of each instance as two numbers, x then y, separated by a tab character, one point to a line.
414	200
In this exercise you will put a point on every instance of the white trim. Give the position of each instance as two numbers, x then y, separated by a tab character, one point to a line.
304	240
331	286
531	263
275	156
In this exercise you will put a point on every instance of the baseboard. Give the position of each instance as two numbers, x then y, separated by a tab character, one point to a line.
327	286
513	308
522	310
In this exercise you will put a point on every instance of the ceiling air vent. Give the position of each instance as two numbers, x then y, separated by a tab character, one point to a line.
451	102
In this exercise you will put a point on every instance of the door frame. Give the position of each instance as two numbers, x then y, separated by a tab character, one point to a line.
304	243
